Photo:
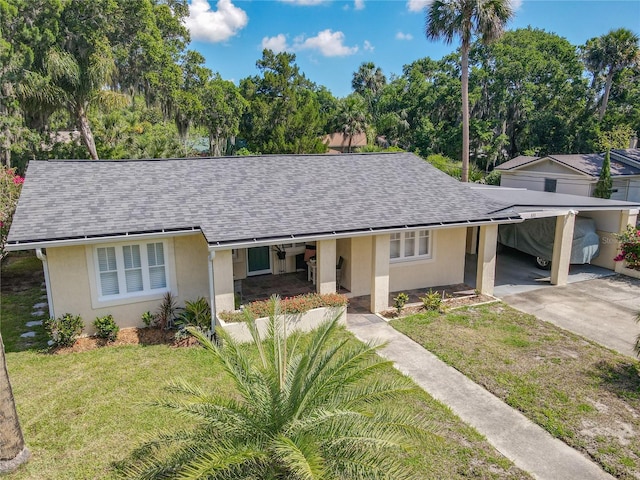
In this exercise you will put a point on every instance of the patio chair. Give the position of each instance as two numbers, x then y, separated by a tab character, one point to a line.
339	268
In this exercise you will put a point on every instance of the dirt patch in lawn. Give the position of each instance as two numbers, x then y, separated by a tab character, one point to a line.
580	392
129	336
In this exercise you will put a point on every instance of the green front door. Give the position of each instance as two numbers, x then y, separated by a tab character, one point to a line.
258	261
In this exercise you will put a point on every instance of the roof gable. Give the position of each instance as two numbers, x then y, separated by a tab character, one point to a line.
587	164
240	198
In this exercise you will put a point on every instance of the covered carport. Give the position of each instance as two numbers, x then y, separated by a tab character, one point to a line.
515	272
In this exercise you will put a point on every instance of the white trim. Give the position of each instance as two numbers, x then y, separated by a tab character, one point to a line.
414	258
514	218
99	301
132	238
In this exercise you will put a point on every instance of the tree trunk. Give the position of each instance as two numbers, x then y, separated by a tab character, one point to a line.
85	130
605	96
12	449
465	113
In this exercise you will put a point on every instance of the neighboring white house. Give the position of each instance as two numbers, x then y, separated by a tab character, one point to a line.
575	174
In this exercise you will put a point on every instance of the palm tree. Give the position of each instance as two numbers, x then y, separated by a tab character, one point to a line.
303	407
485	19
352	117
618	50
13	452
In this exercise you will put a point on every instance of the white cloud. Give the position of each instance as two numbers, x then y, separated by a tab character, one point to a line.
358	4
368	47
214	26
404	36
418	5
328	43
277	44
516	4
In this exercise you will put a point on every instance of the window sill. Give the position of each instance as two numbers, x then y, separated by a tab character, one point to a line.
113	301
396	262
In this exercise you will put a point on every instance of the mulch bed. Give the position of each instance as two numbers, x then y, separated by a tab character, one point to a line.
447	303
128	336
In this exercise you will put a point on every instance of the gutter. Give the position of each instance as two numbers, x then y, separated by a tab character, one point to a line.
45	266
265	241
93	239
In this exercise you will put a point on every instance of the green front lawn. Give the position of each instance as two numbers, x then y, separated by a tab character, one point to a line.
582	393
81	412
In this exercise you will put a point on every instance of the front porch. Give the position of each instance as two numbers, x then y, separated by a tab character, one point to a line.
261	287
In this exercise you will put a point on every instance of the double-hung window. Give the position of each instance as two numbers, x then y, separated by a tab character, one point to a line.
410	245
130	270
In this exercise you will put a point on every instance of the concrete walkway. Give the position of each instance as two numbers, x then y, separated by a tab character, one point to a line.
527	445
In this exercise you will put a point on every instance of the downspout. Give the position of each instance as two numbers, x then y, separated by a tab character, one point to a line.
212	292
45	266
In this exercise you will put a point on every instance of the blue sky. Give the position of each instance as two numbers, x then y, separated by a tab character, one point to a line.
332	38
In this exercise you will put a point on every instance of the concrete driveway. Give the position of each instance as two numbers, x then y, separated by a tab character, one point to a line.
603	310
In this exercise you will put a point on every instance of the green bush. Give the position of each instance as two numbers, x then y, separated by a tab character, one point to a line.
432	301
166	312
63	331
196	314
400	301
106	327
148	319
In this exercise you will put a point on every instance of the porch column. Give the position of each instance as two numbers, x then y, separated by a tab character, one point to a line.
486	271
379	272
627	217
562	248
223	280
326	266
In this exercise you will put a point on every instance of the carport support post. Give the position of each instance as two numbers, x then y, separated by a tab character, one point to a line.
486	275
326	266
627	218
380	245
562	248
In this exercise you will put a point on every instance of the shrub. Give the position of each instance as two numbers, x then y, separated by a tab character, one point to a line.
166	312
432	301
106	327
288	305
196	314
400	301
148	319
63	331
629	247
10	186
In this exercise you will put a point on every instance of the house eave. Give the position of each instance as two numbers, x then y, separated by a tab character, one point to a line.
309	237
93	239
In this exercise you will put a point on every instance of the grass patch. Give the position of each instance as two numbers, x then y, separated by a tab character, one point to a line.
83	413
582	393
21	288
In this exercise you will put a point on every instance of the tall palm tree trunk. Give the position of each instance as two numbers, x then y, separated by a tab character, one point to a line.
605	96
465	113
12	449
85	130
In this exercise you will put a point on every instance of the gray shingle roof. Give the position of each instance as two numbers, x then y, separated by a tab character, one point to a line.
239	198
590	164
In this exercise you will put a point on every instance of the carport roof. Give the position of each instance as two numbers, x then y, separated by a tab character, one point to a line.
236	200
522	200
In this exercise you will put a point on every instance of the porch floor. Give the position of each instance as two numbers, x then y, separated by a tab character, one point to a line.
261	287
362	304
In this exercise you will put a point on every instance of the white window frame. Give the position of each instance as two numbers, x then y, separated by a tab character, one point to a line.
415	256
146	294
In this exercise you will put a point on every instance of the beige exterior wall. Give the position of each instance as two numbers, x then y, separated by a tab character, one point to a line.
72	290
359	266
343	249
533	179
223	280
446	266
